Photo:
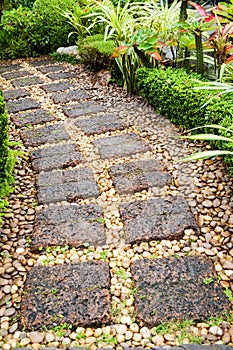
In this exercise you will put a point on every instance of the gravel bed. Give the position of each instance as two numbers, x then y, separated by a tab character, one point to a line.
205	184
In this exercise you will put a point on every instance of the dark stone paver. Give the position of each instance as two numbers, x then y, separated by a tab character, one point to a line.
66	185
21	105
156	218
32	80
137	176
60	86
51	68
50	133
120	146
100	124
14	94
68	96
69	224
173	289
62	75
9	67
34	117
77	294
43	62
16	74
82	108
55	157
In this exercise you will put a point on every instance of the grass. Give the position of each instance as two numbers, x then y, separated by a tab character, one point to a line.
107	339
121	273
182	330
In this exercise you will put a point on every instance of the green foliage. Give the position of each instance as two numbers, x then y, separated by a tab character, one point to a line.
182	330
28	32
64	57
95	54
7	158
171	93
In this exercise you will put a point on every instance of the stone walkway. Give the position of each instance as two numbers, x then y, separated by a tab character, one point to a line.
104	186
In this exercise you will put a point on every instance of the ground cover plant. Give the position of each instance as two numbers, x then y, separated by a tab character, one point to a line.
7	157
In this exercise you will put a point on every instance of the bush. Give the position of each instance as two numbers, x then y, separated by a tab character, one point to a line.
28	32
7	159
170	93
3	140
221	111
95	52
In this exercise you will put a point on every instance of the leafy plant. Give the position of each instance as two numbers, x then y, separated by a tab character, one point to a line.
209	137
119	22
171	93
208	280
228	293
121	273
106	338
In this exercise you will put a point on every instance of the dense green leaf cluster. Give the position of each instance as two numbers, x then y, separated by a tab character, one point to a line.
28	32
95	52
7	157
221	113
3	139
171	93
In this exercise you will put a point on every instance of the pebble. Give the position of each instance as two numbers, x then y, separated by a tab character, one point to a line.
215	330
209	199
145	332
36	337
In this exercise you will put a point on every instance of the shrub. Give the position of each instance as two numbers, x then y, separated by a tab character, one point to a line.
7	158
95	55
170	93
3	140
95	52
222	113
28	32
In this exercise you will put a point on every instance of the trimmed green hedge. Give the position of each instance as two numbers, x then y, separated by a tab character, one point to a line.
3	141
7	158
171	93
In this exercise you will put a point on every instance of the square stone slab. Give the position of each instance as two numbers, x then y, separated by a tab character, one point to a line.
100	124
157	218
14	94
60	86
120	146
16	74
9	67
32	80
66	185
51	68
138	176
34	117
82	108
60	156
76	294
173	289
68	96
62	75
21	105
47	134
70	225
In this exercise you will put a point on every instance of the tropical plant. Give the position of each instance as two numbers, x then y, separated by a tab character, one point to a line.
209	137
76	18
119	22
